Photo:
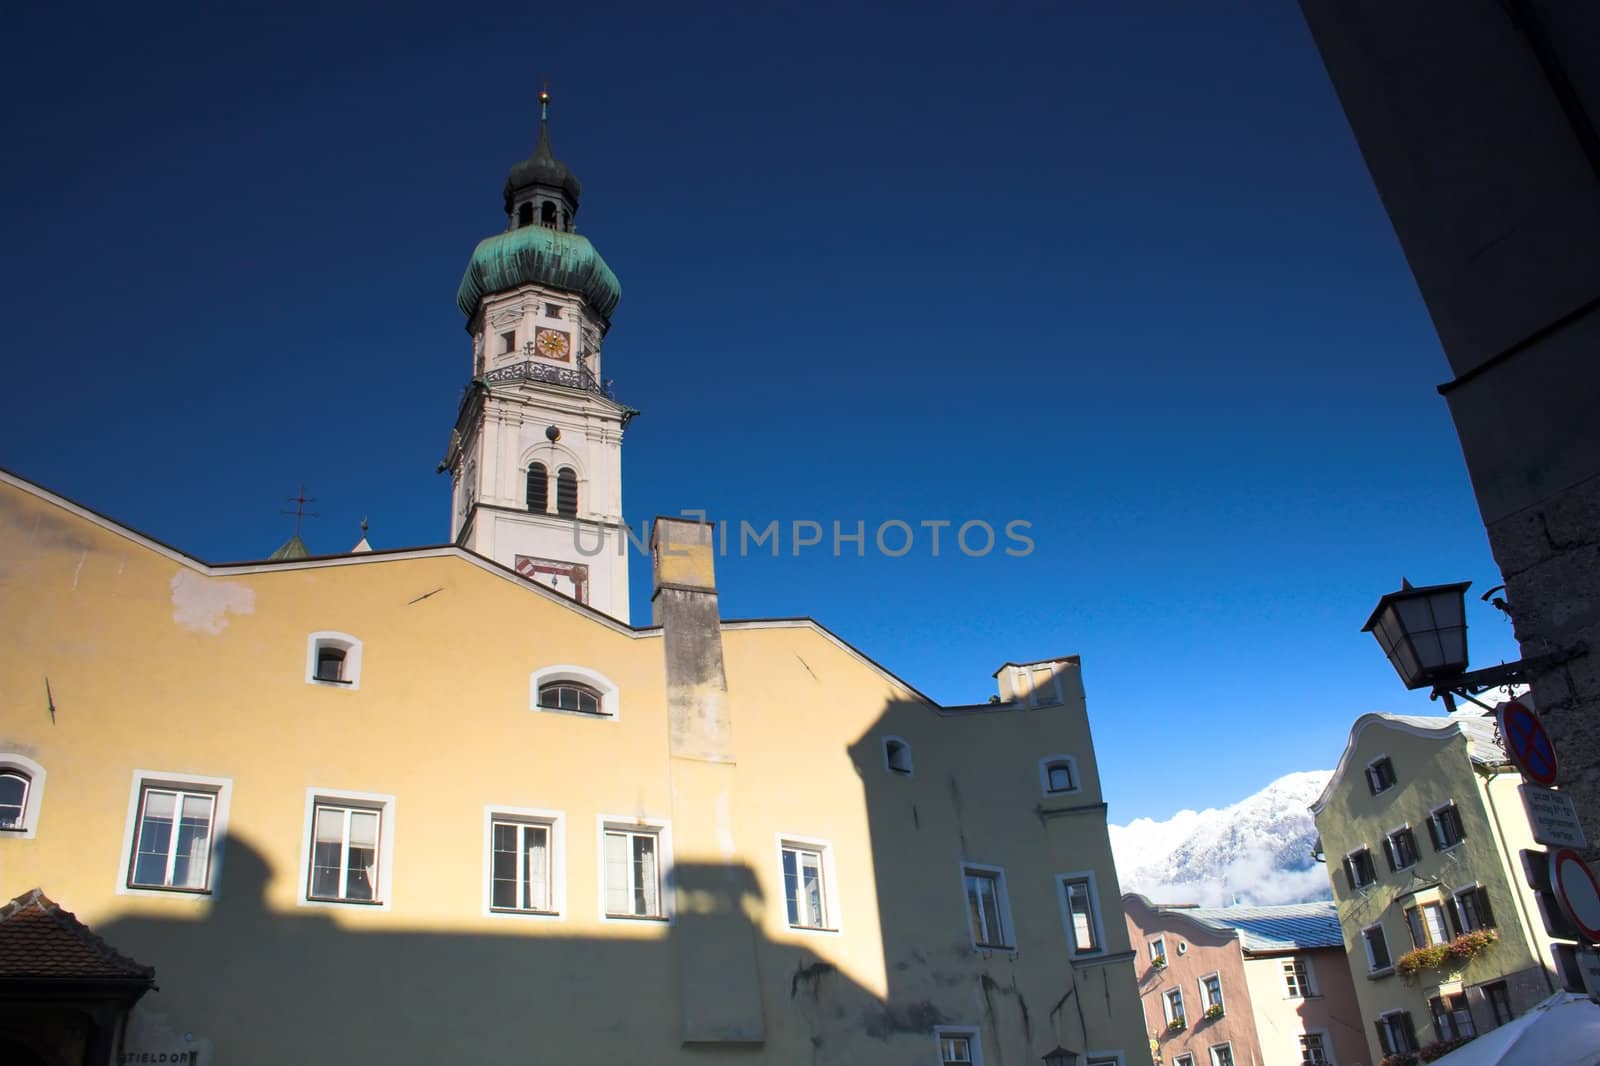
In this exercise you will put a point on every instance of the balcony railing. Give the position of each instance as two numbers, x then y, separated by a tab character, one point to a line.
567	377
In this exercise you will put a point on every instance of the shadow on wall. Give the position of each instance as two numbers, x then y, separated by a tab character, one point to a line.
297	986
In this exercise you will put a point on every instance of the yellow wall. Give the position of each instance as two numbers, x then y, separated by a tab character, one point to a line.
154	662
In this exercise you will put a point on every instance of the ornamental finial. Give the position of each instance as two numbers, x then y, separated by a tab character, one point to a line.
544	102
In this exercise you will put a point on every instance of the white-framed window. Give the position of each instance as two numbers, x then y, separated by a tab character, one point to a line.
173	839
1221	1055
1211	994
635	859
1314	1049
1058	774
988	907
348	855
574	690
1359	869
1400	848
1452	1019
1158	951
809	886
1380	775
21	793
524	862
1472	908
1183	1060
1377	945
1297	977
1080	913
1172	1007
958	1045
1444	827
897	756
333	659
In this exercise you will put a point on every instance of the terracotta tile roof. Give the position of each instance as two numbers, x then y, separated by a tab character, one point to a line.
40	940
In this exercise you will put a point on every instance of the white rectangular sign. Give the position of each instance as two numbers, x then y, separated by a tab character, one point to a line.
1553	817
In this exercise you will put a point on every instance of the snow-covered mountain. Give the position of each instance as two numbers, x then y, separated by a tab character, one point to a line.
1256	851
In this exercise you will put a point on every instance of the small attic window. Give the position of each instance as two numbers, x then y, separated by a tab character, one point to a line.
897	756
508	342
333	659
330	664
525	215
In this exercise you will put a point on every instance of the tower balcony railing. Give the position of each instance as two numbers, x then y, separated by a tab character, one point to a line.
567	377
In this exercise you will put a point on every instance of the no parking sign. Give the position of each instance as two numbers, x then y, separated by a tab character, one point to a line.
1527	743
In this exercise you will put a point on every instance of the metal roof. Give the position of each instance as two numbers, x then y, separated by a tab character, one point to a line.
1290	927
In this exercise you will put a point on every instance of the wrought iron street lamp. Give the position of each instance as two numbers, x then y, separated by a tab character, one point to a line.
1060	1056
1423	631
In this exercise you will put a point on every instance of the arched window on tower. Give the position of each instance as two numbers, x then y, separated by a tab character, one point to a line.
566	221
538	488
547	214
525	215
567	491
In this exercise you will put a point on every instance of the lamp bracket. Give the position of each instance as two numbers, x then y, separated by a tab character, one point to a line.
1521	672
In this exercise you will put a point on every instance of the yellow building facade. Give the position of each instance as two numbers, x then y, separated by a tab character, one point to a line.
448	805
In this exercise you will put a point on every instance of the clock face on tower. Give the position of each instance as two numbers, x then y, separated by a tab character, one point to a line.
552	344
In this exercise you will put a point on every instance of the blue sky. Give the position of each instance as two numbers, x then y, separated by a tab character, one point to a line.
1120	274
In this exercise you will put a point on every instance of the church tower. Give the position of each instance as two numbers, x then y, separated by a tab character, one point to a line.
535	459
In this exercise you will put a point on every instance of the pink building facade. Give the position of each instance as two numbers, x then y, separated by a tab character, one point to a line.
1245	986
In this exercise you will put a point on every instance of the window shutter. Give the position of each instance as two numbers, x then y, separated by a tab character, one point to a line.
1372	782
1410	1029
1452	907
1485	914
1382	1026
1434	833
1388	854
1419	936
1349	873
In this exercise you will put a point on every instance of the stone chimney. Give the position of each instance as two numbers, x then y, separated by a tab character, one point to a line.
715	940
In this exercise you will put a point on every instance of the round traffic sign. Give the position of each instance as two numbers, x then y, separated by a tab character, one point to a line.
1527	743
1577	891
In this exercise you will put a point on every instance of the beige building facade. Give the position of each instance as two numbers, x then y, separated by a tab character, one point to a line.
1422	827
1245	986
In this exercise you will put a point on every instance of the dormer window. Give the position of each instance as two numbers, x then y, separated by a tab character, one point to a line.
897	756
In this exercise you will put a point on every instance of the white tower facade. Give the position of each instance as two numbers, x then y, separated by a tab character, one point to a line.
536	454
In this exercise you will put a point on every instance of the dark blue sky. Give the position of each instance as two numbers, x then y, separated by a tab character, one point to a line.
1122	275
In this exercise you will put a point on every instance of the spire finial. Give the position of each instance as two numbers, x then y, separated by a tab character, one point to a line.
544	100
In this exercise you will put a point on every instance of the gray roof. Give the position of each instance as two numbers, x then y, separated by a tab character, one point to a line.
1291	927
1483	743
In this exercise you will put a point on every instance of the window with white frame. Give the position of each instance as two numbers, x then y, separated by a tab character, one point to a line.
1079	913
1172	1005
21	789
1221	1055
807	885
1314	1049
1445	828
1211	994
633	872
1058	774
522	865
987	908
1472	908
333	659
1380	775
1297	978
897	756
1158	951
1377	945
1183	1060
1400	848
345	840
173	838
1359	869
574	690
958	1047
